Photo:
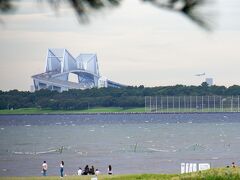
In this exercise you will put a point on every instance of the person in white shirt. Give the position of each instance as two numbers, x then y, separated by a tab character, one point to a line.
61	169
44	168
79	173
97	172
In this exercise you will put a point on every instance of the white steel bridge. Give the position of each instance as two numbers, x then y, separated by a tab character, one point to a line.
61	65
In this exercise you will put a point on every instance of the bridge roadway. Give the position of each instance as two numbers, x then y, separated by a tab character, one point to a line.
52	78
48	79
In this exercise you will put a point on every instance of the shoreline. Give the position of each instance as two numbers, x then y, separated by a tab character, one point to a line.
115	113
214	173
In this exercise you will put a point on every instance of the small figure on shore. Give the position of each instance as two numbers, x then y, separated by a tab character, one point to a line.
86	170
91	171
97	172
61	169
110	170
79	172
233	165
44	168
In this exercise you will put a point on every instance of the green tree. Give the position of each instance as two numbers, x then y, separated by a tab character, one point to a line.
190	8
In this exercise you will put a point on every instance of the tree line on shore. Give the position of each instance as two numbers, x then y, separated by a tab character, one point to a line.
125	97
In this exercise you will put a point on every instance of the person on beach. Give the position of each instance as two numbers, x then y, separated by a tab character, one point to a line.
233	164
79	173
97	172
86	170
44	168
61	169
110	170
91	171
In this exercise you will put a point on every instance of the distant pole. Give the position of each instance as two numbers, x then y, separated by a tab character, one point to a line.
208	103
150	102
190	104
184	103
238	103
214	104
202	103
156	104
179	104
167	103
232	104
220	103
173	104
196	104
145	103
161	104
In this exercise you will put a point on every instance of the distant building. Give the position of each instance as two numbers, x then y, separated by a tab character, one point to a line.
61	66
209	81
32	89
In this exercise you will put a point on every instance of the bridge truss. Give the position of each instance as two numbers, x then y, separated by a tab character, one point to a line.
60	64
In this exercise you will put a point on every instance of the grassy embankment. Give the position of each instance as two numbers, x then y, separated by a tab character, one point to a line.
91	110
212	174
109	110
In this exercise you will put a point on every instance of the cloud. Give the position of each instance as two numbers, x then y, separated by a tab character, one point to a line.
133	47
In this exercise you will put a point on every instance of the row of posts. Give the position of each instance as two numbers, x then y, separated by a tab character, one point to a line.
192	104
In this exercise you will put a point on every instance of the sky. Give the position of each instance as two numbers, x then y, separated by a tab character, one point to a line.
136	43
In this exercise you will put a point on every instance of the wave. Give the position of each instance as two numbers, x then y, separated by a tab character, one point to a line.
59	150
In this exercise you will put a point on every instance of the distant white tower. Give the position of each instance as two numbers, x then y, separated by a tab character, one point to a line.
209	81
32	88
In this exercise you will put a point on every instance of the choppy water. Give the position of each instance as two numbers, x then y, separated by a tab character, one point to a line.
131	143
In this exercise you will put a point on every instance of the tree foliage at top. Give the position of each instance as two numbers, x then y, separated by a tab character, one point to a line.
190	8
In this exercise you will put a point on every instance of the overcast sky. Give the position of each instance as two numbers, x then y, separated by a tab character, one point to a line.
136	43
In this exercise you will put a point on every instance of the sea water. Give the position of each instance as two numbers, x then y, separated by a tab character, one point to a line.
131	143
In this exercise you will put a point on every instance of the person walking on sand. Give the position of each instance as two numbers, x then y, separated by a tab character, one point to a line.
110	170
61	169
44	168
79	172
